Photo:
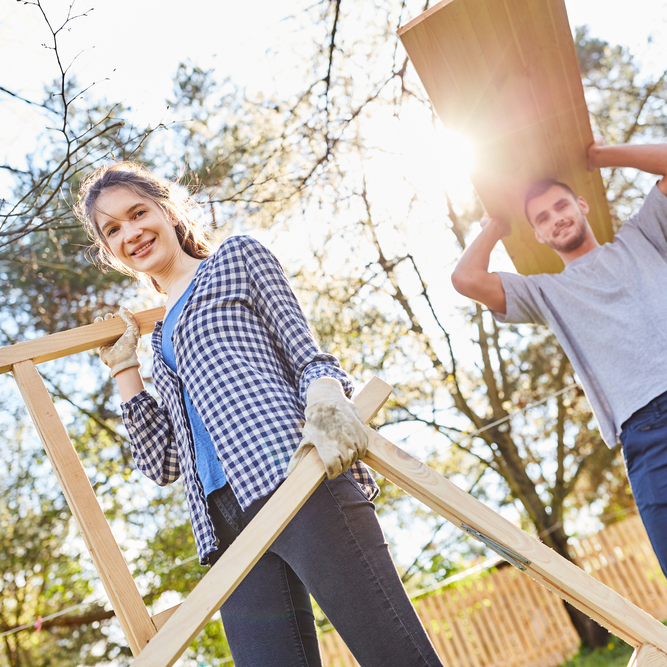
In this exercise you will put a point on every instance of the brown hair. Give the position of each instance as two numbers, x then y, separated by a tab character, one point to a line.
539	188
144	183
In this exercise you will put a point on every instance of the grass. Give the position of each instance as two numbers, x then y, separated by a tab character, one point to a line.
616	654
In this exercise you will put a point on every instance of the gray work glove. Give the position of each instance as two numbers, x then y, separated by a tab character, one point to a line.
123	353
333	426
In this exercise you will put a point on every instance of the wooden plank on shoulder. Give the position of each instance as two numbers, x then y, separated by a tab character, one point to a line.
505	74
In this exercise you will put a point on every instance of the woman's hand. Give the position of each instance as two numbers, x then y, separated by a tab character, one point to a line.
123	353
333	426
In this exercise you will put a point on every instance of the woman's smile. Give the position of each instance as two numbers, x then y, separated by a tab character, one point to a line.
143	249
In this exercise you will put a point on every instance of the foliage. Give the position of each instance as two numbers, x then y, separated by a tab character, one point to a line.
615	654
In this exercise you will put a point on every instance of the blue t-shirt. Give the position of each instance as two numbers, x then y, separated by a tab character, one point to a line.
209	468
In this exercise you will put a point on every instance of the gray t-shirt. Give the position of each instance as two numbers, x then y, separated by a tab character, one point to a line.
608	310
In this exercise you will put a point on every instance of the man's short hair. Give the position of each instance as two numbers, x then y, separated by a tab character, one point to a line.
539	188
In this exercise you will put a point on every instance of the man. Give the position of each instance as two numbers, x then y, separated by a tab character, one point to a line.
608	309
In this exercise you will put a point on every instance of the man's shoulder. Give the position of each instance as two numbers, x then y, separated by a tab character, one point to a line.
534	289
654	206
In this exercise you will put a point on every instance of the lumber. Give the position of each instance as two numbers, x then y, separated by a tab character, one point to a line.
184	623
161	618
559	575
88	337
505	75
116	578
648	656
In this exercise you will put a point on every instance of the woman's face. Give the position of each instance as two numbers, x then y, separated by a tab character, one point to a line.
137	231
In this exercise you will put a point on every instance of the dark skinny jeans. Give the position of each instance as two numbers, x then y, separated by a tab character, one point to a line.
644	438
333	548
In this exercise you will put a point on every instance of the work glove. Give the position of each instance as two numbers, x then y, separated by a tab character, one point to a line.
123	353
333	426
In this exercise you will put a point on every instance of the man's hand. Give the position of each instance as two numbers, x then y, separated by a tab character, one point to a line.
123	353
333	426
651	158
594	154
501	227
471	276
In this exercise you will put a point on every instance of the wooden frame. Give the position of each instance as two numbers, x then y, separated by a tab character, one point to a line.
160	640
505	74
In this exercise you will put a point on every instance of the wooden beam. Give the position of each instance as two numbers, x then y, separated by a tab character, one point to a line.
369	401
55	346
97	535
180	625
648	656
183	624
559	575
505	74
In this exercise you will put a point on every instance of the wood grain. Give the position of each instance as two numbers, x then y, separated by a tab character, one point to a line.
504	73
648	656
476	616
88	337
548	568
97	535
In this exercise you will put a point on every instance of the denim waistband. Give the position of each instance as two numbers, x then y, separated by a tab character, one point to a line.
657	405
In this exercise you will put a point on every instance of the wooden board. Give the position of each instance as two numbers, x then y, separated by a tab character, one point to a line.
504	73
559	575
109	562
55	346
178	627
648	656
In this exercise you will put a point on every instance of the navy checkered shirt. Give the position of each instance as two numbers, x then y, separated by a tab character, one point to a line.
246	357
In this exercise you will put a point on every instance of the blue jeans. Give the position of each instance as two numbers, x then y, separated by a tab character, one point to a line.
333	548
644	438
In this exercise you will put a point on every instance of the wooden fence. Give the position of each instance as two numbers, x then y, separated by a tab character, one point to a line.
506	619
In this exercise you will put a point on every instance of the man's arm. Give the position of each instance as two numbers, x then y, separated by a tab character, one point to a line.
651	158
471	276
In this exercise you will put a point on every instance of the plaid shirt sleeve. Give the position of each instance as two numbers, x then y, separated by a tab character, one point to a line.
278	307
153	447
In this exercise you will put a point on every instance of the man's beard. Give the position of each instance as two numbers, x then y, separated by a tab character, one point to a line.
574	242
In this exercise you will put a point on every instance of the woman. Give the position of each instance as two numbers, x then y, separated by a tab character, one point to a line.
235	364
